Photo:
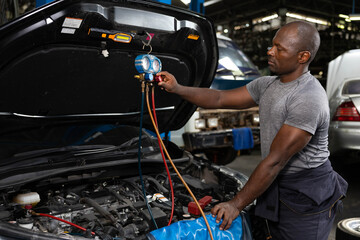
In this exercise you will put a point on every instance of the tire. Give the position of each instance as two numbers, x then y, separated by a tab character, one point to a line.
221	156
348	229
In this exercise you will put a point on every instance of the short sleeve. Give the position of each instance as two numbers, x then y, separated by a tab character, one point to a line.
306	112
257	87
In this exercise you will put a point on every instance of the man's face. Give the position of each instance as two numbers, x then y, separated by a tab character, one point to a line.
283	56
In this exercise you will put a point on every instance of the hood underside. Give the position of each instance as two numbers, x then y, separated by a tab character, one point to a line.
58	66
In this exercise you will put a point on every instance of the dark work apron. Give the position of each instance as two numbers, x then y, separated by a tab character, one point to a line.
322	186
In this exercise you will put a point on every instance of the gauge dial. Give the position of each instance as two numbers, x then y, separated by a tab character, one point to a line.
145	63
156	66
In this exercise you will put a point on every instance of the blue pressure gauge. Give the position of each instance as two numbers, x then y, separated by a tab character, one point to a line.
147	63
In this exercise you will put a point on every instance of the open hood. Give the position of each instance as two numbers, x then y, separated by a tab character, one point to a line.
70	143
62	62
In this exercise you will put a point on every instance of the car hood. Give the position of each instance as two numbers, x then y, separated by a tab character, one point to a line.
57	66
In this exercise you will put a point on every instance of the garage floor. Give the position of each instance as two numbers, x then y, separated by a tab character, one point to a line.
247	163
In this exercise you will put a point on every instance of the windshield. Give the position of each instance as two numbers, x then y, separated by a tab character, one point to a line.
232	58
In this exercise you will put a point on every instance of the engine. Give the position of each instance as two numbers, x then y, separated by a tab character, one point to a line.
113	207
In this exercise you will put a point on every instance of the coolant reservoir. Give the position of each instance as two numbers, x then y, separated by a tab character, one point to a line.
31	198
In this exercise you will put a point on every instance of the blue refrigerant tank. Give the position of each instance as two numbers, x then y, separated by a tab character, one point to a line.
196	229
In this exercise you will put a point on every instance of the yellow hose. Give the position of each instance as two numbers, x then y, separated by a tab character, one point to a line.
172	163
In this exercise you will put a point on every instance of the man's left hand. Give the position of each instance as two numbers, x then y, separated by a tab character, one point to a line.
226	211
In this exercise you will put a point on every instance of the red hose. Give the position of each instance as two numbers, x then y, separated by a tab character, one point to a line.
163	157
176	170
64	221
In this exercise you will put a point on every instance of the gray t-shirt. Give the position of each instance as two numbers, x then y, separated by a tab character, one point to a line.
301	103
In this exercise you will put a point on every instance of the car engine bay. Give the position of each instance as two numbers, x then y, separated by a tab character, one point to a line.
112	207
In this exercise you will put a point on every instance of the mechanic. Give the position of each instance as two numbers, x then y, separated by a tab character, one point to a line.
297	190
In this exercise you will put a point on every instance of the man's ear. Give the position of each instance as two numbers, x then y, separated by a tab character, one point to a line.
304	57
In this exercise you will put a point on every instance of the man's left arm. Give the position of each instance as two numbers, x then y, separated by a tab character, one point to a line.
288	141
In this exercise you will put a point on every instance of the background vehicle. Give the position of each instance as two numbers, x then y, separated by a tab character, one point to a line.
212	131
343	90
70	111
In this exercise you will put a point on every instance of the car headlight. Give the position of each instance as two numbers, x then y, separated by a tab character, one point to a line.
200	123
213	122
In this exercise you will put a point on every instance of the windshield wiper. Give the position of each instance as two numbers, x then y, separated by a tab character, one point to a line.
250	72
238	73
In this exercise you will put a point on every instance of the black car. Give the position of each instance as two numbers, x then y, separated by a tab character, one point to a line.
76	155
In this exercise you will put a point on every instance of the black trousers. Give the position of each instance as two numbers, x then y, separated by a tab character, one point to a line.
295	226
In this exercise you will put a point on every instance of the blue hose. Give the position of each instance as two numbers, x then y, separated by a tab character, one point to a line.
139	159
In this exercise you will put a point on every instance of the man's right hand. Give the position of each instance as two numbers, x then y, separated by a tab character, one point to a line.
168	82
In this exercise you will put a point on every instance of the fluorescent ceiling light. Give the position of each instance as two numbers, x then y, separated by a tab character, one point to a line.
293	15
340	26
319	21
269	17
343	16
186	2
347	18
354	17
265	19
309	19
211	2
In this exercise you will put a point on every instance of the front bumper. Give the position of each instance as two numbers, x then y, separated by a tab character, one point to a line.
214	139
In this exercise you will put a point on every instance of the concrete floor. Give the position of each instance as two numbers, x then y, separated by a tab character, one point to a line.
247	163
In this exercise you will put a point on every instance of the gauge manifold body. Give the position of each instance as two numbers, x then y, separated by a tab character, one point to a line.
147	63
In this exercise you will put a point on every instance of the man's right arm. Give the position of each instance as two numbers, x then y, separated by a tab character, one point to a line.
238	98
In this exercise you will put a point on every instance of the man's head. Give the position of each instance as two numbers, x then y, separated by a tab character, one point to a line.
294	47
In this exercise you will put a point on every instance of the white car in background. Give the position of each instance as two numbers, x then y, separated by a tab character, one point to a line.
343	90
